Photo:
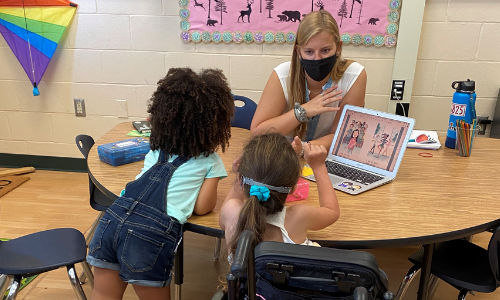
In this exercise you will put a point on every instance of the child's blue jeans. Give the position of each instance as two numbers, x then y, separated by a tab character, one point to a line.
136	236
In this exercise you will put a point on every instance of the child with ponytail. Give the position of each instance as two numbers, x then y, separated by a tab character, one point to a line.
268	170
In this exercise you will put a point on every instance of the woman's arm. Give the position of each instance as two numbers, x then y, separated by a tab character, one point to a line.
269	113
207	198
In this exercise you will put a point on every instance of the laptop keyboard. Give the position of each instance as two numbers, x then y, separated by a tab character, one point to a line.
351	173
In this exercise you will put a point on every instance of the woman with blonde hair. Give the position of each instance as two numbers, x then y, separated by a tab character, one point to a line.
302	96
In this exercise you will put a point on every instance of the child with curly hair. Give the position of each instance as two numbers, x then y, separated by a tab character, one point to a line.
268	171
136	239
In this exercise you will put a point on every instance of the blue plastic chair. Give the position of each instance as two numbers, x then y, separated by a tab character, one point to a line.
243	115
41	252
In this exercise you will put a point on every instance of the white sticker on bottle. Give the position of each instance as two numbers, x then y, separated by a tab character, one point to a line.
458	109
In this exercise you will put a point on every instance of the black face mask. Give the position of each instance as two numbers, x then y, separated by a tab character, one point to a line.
318	69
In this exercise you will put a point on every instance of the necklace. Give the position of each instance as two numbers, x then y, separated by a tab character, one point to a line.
314	92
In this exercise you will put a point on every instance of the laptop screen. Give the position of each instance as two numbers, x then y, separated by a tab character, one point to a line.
372	140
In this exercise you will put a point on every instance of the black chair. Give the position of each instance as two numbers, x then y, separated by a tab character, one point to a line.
462	264
98	200
41	252
275	270
242	118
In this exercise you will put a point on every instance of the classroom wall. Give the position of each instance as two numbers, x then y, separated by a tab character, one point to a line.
117	50
460	39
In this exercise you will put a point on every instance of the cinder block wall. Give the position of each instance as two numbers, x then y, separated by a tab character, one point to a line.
460	39
117	50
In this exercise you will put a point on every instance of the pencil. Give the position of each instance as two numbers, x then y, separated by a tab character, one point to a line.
466	139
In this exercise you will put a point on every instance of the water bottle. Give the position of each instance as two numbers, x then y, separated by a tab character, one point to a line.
462	108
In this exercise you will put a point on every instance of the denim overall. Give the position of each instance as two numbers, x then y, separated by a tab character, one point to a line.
136	236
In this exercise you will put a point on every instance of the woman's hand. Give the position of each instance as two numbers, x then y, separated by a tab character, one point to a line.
297	145
315	155
319	104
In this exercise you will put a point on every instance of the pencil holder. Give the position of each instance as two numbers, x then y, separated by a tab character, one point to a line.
465	138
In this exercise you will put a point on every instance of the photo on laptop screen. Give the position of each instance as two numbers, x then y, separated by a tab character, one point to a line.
369	139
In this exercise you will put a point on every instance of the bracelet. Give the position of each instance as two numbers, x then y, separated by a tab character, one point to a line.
300	113
301	154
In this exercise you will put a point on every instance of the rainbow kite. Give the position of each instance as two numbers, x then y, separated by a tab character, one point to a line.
33	28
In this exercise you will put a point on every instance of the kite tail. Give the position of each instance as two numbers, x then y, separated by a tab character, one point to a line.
36	92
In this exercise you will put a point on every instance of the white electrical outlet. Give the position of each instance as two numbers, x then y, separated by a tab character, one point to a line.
79	107
121	108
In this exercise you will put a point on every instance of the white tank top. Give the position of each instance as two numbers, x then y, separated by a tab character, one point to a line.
345	83
278	220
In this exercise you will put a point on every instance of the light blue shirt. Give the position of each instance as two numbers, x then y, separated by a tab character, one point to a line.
186	181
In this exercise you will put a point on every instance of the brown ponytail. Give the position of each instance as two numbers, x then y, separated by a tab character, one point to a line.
252	217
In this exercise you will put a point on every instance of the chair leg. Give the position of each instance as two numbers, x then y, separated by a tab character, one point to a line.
179	269
88	271
90	234
433	284
14	288
88	238
463	293
218	242
5	281
406	282
80	295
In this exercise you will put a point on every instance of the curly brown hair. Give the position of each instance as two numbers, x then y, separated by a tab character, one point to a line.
190	114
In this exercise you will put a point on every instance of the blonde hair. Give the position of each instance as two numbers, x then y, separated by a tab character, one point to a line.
312	24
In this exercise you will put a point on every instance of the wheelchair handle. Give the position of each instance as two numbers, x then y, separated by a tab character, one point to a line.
243	250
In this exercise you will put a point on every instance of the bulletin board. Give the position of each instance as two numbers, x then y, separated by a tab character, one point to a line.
361	22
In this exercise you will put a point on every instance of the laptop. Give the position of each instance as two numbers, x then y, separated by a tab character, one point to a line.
367	149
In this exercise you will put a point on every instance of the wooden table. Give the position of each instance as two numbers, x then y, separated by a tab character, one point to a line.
432	199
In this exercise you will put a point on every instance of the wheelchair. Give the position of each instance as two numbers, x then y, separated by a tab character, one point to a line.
275	270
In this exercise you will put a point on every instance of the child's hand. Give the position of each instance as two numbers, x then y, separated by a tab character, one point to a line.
315	155
297	145
236	163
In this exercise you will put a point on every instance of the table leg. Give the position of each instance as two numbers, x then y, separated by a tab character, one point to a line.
426	272
179	269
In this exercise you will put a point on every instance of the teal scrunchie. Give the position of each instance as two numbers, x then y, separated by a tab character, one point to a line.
261	192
